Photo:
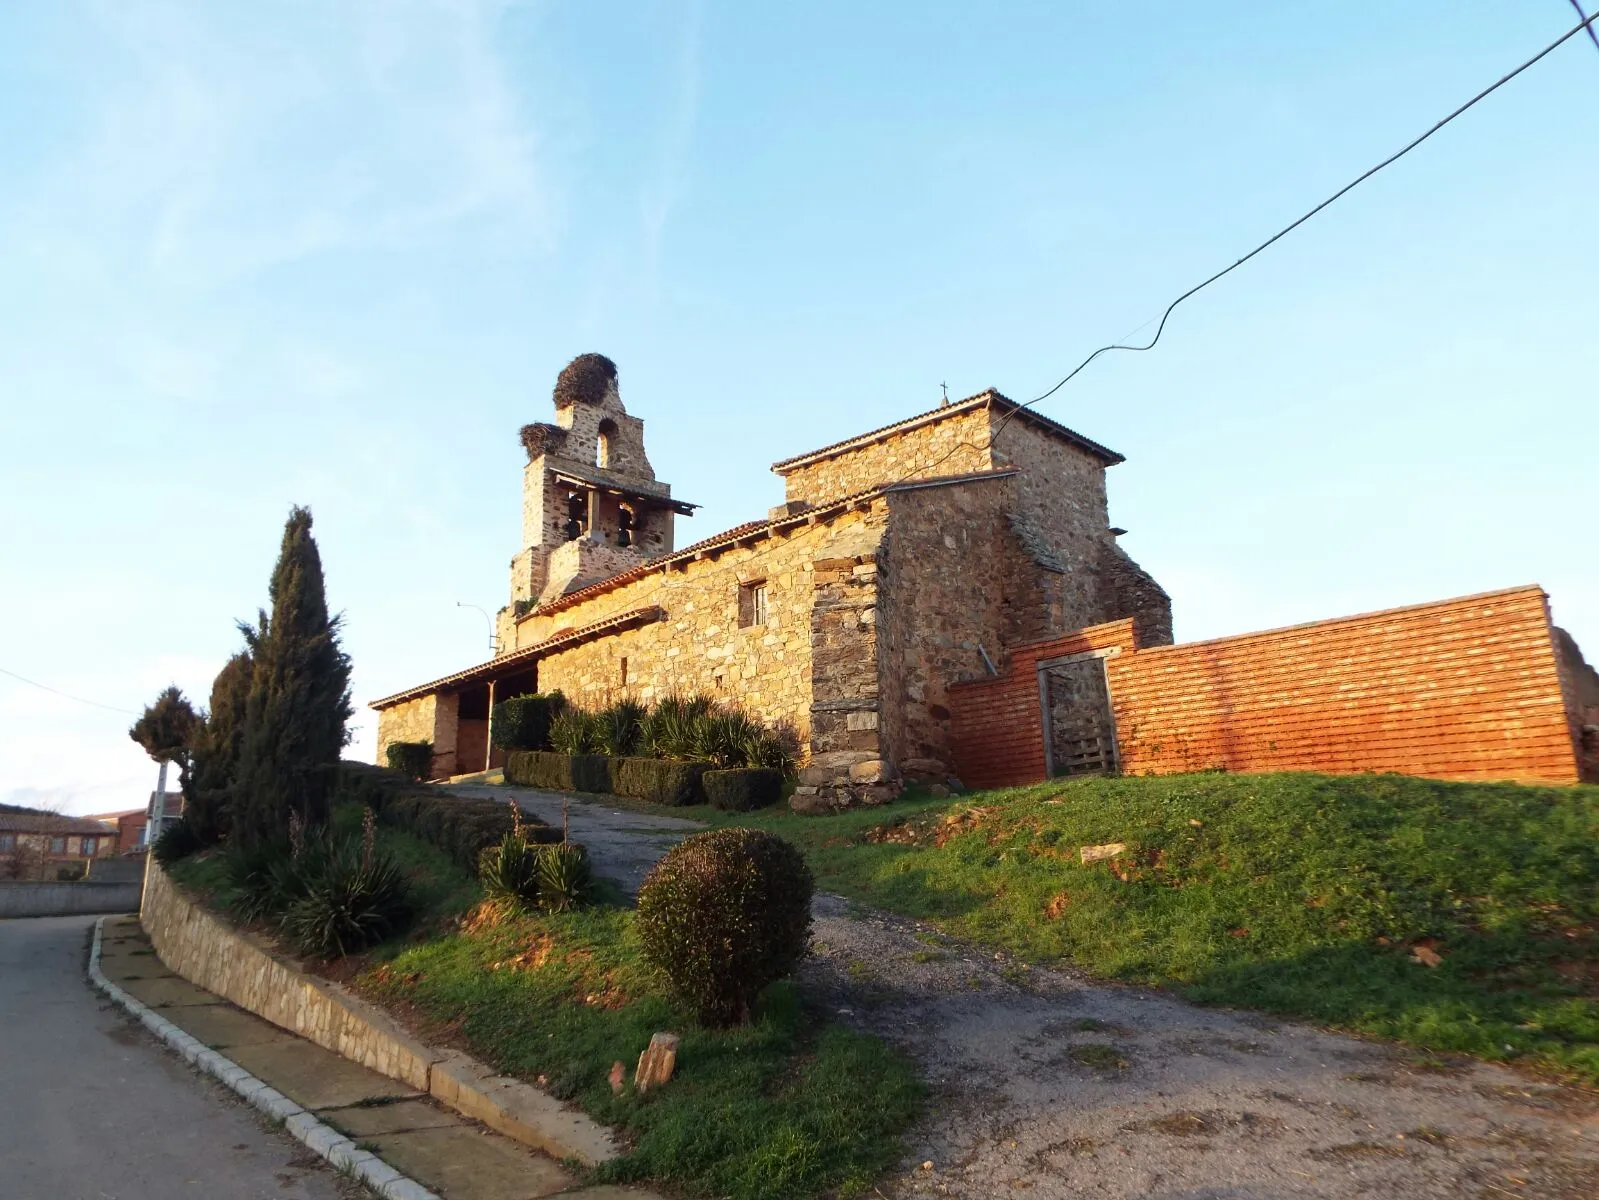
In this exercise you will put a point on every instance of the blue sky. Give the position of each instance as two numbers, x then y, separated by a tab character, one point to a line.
254	254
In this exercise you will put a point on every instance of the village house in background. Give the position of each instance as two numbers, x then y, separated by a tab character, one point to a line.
946	594
130	825
44	845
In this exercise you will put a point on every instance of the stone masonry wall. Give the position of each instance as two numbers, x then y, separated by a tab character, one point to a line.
955	579
1127	590
953	446
206	952
412	721
1061	493
699	646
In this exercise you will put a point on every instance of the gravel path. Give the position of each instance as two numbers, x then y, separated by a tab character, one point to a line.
1050	1085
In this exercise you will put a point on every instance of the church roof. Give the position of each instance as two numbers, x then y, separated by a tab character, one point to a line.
984	398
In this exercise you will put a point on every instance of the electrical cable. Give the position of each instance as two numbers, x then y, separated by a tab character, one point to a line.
68	695
1592	35
1587	23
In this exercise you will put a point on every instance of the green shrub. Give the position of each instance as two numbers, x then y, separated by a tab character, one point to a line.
742	789
510	870
414	760
178	840
347	902
719	737
573	731
669	729
657	780
523	722
618	729
539	769
565	877
260	878
723	915
591	773
457	825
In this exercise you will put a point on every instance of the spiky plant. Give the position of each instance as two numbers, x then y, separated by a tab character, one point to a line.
618	729
565	877
573	732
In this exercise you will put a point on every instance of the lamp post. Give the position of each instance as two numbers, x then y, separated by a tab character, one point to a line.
494	642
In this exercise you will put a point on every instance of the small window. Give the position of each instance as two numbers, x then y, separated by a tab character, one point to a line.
602	443
622	672
8	842
752	604
89	846
58	845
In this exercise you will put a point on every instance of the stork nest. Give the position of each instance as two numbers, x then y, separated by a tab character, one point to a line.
540	438
585	380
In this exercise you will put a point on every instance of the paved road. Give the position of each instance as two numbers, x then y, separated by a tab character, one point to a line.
92	1109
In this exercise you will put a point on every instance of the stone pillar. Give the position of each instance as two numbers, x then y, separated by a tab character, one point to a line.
595	534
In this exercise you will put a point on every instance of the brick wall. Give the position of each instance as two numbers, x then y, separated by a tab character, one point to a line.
996	730
1459	689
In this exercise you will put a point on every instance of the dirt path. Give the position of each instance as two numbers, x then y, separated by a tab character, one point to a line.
1049	1085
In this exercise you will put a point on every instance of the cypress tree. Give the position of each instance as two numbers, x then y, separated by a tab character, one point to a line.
298	702
208	790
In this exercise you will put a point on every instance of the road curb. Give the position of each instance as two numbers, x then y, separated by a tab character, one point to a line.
322	1140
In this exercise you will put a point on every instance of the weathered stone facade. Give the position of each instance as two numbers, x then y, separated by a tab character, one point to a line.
902	561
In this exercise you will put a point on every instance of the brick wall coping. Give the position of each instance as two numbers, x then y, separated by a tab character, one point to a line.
1357	620
241	968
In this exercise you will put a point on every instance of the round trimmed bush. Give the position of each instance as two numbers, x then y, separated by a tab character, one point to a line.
724	914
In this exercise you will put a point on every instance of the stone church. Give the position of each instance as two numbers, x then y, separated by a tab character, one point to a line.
901	561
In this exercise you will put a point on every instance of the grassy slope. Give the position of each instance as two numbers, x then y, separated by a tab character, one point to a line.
1297	894
784	1108
787	1107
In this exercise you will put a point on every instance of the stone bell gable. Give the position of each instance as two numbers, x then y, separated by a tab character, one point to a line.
591	505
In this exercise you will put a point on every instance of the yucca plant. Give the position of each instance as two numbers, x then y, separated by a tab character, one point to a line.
720	735
617	730
352	901
565	877
573	732
510	871
669	728
769	749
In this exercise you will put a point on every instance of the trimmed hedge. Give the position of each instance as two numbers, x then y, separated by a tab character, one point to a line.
523	722
723	914
558	772
459	826
743	789
414	760
658	780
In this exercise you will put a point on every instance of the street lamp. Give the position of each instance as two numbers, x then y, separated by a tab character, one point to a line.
494	642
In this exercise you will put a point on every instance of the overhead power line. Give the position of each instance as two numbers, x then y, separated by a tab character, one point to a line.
67	695
1592	35
1587	24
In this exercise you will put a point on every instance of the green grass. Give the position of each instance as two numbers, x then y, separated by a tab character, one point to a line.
1297	894
786	1107
439	888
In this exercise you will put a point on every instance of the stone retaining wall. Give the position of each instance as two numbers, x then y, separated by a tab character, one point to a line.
239	967
209	953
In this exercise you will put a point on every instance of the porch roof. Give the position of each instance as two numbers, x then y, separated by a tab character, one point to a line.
519	660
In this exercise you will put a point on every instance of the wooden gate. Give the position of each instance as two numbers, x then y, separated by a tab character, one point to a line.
1078	725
